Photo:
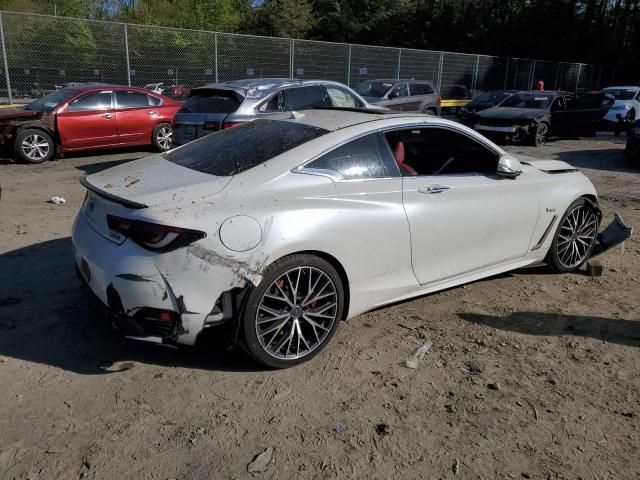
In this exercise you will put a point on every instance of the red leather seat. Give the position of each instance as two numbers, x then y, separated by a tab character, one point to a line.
398	153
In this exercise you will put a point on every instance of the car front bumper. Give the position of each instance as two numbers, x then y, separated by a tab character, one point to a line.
129	281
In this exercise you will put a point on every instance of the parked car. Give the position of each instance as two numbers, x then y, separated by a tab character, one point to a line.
405	95
625	109
87	117
263	224
222	105
535	116
632	149
482	102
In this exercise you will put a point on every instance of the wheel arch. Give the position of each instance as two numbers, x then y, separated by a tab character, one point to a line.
36	126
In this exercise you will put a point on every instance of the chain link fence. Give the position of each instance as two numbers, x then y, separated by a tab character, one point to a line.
41	53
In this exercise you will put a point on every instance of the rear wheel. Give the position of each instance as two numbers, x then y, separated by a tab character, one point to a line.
292	315
34	146
162	137
575	238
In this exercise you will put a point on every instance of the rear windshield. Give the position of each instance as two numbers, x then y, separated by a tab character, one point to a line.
527	100
211	101
234	150
51	101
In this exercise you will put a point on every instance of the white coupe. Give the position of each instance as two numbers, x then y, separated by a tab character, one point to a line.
287	226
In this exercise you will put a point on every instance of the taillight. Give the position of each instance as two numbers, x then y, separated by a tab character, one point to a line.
439	99
153	236
211	126
230	124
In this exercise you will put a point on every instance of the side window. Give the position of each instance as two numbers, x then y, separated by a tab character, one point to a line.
300	98
420	89
340	97
398	91
440	151
558	104
154	101
274	104
131	100
92	101
366	157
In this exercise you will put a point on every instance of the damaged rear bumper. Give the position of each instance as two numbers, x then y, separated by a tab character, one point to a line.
161	298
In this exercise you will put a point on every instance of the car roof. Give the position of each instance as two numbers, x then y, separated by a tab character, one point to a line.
332	119
262	87
86	87
629	87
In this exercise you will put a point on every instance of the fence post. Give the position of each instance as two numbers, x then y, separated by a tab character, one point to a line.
440	73
4	57
474	83
578	77
126	47
215	49
349	68
555	83
532	72
291	59
506	72
399	60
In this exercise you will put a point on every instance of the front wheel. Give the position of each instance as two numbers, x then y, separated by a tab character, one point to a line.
162	137
539	137
34	146
292	315
575	237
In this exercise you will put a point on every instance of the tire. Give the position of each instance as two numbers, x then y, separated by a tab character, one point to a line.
307	328
34	146
162	136
539	137
574	231
429	111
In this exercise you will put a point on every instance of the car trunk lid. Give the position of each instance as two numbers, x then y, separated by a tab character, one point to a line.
140	184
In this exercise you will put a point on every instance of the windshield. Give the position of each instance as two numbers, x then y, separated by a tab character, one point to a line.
494	97
51	101
374	89
621	93
528	100
234	150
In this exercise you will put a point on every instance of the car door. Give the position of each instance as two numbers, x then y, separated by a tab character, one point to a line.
417	95
397	98
560	116
463	216
135	117
88	122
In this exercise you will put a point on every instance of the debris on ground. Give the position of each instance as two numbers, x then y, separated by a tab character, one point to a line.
412	362
57	200
383	429
456	467
493	386
595	268
260	462
474	367
116	366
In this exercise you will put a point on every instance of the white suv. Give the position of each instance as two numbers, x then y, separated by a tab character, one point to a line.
626	106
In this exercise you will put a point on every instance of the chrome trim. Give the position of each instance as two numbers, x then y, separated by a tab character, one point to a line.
545	234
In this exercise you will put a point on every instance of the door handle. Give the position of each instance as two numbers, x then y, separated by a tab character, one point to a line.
108	116
151	112
434	188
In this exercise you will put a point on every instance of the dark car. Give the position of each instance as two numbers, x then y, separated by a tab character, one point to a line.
535	116
632	150
87	117
406	95
482	102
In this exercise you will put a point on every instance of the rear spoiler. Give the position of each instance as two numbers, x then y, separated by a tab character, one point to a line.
112	198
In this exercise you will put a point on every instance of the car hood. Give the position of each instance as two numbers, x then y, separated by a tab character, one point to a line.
16	113
153	181
508	113
549	166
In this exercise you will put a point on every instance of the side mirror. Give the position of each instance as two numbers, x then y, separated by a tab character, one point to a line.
509	166
392	95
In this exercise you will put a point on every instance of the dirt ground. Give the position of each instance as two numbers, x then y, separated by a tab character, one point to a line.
531	375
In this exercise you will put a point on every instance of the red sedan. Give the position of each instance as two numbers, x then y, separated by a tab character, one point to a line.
87	117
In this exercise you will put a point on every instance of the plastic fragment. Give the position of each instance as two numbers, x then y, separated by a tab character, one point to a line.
412	362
